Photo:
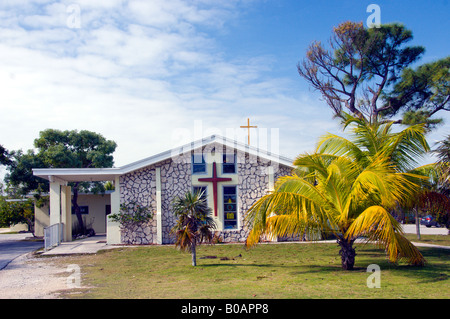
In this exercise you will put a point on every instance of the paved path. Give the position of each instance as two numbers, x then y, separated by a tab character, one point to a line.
15	245
90	245
429	245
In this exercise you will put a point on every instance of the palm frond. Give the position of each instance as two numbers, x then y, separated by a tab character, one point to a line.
294	198
194	222
380	182
313	163
184	239
378	225
339	146
406	147
408	252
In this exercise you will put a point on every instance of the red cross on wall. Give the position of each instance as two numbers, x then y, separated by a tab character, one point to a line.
215	180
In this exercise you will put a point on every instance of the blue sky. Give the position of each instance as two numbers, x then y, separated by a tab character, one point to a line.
155	74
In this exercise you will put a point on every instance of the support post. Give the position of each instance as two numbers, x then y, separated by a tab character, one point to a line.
113	233
66	212
55	202
159	236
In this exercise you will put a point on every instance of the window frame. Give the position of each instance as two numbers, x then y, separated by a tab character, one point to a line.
234	163
236	208
204	163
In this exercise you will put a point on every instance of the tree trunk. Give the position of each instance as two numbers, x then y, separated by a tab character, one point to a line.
30	224
347	253
194	255
416	211
76	208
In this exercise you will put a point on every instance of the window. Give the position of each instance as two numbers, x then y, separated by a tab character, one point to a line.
229	207
84	210
198	164
202	189
229	164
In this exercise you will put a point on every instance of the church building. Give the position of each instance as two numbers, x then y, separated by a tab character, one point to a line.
232	175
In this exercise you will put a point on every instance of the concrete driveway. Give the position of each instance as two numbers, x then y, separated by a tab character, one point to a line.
15	245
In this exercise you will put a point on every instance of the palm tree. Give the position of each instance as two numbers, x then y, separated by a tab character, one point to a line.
195	224
347	188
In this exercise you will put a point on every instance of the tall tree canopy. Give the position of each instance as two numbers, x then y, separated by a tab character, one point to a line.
73	149
423	92
365	72
4	156
20	179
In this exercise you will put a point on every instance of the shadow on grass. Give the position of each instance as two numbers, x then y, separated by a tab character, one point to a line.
241	265
311	269
436	269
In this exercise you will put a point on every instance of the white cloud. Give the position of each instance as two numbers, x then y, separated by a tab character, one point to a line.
136	72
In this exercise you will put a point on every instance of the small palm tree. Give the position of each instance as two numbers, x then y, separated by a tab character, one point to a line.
195	224
347	188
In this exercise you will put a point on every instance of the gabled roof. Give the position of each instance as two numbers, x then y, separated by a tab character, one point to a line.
105	174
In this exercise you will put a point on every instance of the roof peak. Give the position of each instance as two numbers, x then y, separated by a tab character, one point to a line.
102	173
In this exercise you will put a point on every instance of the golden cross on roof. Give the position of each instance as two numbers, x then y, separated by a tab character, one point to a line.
248	128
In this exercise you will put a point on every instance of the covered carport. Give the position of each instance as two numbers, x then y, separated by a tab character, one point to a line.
60	196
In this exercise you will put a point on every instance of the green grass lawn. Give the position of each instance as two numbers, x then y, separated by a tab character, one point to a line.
443	240
279	271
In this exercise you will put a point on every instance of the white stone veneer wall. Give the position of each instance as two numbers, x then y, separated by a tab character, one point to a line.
140	185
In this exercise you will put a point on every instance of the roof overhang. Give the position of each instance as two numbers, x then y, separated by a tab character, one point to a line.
77	174
109	174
